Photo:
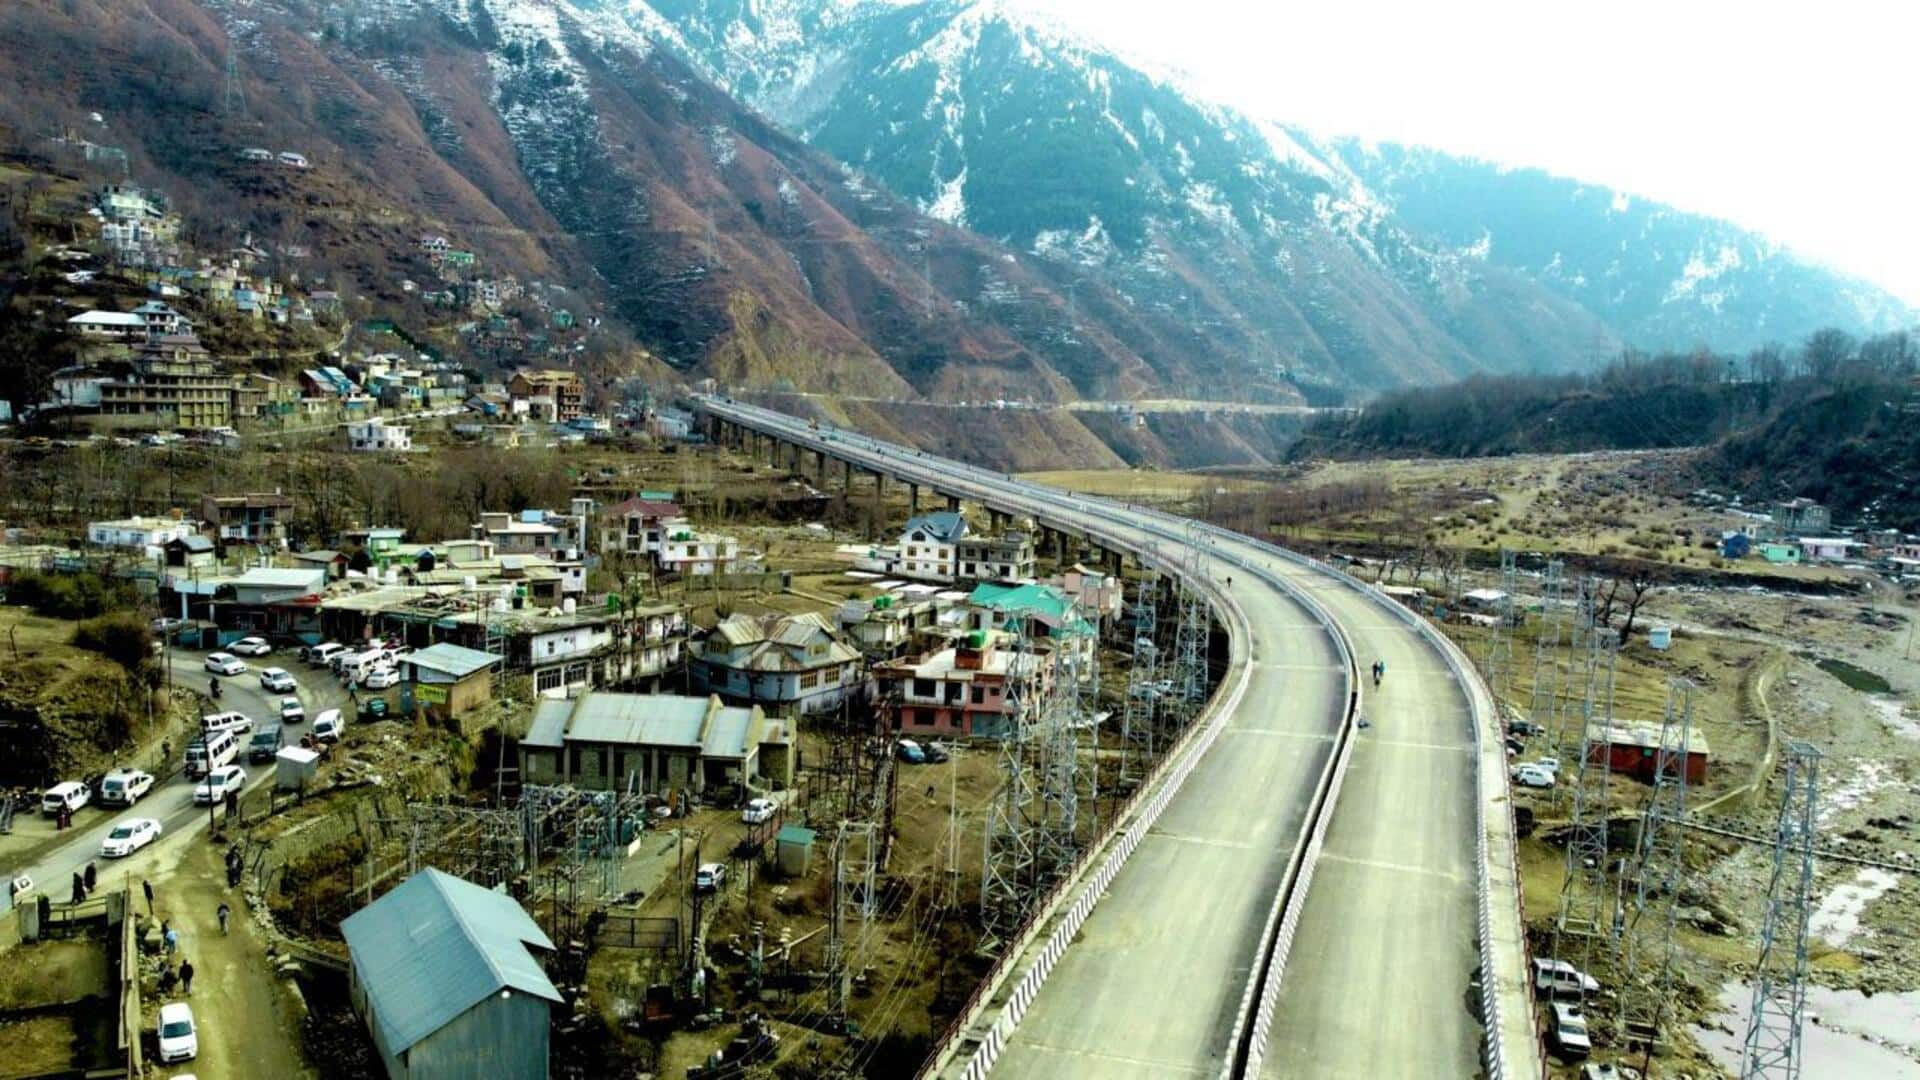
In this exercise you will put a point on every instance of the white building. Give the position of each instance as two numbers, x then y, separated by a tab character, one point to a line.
119	325
929	547
375	436
696	553
140	533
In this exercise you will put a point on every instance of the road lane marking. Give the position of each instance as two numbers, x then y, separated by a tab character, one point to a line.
1272	733
1323	669
1409	744
1398	868
1157	1066
1235	845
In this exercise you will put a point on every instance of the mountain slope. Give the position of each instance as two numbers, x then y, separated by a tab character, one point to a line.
1661	278
1284	253
558	143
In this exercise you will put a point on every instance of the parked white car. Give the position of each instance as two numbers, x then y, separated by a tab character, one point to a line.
277	680
1567	1031
1533	776
123	787
129	836
179	1037
1553	977
382	677
329	726
221	663
291	711
68	795
759	810
218	783
322	655
251	646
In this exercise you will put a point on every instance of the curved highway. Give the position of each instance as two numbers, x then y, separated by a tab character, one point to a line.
1159	979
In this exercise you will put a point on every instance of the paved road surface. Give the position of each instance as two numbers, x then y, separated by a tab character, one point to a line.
1379	979
171	799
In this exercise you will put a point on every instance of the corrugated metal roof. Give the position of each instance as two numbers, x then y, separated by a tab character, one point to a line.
727	734
448	659
549	727
652	719
944	525
436	946
279	577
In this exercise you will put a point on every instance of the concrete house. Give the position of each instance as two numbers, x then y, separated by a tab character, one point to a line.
960	690
376	436
655	743
687	552
257	517
1007	559
1801	517
110	325
791	664
448	682
639	526
930	545
447	976
139	533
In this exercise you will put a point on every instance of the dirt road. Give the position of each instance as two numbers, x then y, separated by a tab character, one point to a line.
249	1019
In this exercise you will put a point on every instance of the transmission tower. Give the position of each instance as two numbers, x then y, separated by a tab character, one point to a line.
1008	872
1659	866
1772	1046
1545	704
1137	720
1500	644
850	922
233	100
1584	925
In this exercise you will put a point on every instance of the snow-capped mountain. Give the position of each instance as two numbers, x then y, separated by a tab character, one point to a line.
1323	260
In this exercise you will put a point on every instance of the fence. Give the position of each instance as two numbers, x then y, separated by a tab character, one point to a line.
130	1023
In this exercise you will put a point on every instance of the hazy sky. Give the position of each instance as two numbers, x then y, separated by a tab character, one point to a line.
1800	120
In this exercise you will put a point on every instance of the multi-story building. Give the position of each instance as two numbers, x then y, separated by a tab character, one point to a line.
258	517
525	533
1006	559
174	384
884	628
961	689
565	652
562	387
639	527
930	544
696	554
790	664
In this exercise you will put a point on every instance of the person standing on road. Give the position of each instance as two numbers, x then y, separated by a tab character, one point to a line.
172	938
223	912
233	803
90	877
79	887
147	887
186	977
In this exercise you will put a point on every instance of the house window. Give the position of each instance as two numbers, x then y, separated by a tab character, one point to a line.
923	688
979	694
548	679
809	680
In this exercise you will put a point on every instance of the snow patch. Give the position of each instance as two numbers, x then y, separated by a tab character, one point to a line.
950	205
1837	919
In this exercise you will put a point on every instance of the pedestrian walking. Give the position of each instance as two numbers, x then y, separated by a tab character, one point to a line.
79	887
186	977
172	937
233	803
147	887
91	877
223	912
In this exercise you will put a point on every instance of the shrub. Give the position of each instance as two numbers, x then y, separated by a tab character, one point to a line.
70	596
120	636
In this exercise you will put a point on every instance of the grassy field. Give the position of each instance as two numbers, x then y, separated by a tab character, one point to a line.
1144	484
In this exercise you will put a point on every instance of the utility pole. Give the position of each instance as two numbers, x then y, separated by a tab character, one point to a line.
1137	719
1772	1046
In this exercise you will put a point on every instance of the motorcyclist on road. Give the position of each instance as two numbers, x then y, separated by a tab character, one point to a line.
213	688
1379	670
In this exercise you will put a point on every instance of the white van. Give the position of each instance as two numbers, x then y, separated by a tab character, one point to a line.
237	722
210	751
355	667
322	655
68	795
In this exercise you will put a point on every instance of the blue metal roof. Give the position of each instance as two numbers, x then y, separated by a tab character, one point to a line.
437	946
